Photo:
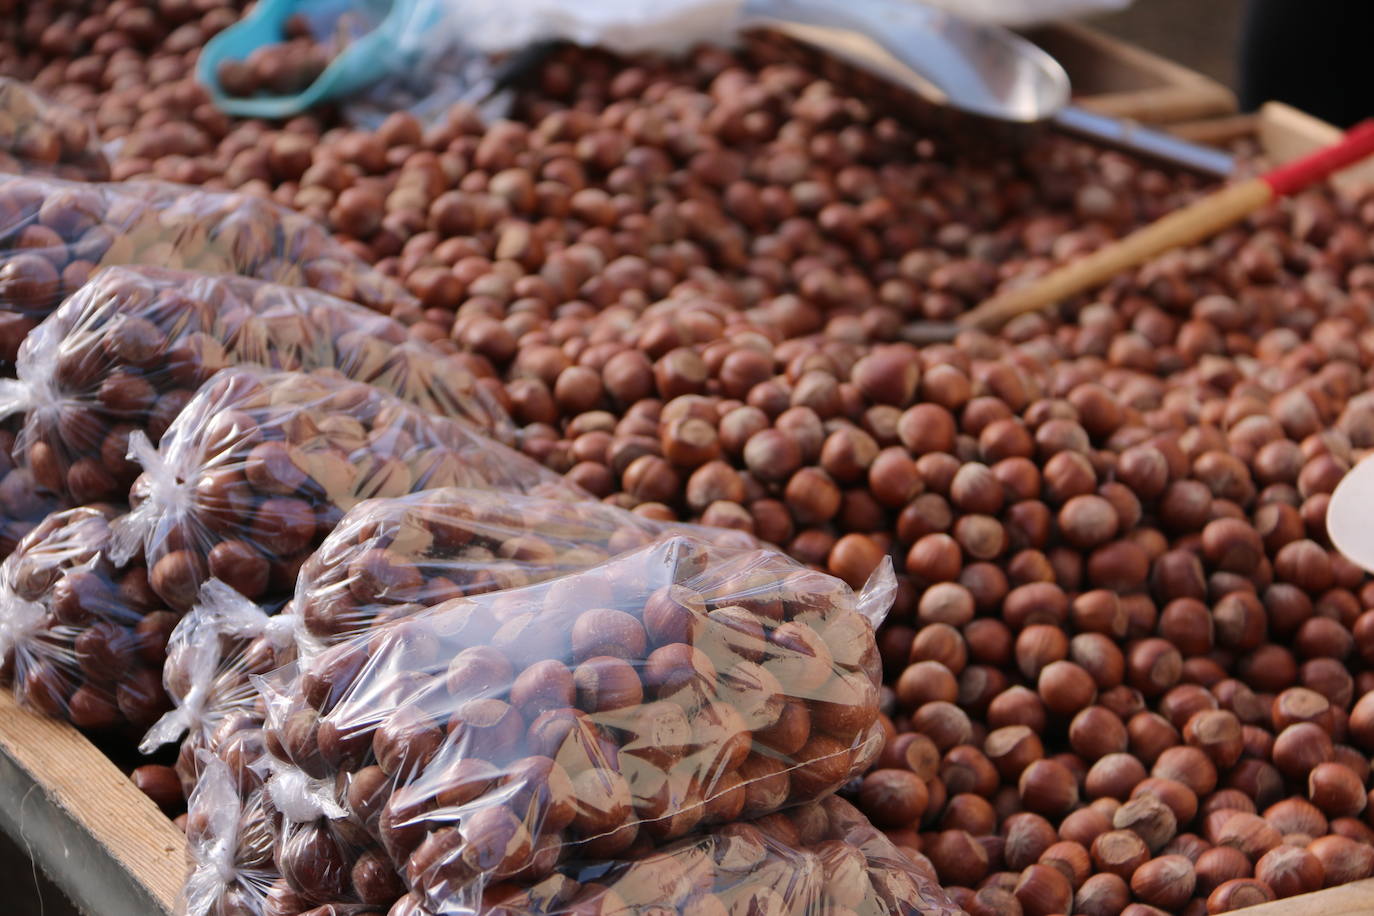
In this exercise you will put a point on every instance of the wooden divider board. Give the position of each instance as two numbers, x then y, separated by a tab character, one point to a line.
1116	78
100	839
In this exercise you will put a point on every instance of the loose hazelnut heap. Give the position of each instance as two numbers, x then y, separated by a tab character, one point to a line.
128	65
130	348
389	558
54	234
41	137
80	638
282	68
494	736
261	465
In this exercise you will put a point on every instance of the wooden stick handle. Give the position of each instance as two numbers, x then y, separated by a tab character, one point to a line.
1183	227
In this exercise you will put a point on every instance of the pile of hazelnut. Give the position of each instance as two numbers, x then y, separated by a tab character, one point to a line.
1126	672
40	137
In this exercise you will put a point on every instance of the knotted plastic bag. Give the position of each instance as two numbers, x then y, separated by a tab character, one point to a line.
82	638
212	655
390	558
128	350
494	736
260	466
54	234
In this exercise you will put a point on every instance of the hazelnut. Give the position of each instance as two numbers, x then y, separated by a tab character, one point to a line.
1166	882
1237	894
1047	787
1290	870
1119	852
1043	890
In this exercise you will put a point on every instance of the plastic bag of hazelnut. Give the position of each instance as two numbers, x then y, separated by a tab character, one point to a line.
41	137
231	830
54	234
129	348
212	654
390	558
82	638
387	558
818	859
490	737
261	465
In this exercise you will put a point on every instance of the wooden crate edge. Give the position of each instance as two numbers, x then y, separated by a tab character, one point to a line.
1283	133
91	830
1184	94
1354	899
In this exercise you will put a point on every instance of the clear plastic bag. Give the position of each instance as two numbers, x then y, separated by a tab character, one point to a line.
128	350
54	234
820	859
389	558
212	656
451	543
41	137
231	831
261	465
493	736
80	637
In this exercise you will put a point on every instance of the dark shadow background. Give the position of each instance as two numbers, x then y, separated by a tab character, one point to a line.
1200	34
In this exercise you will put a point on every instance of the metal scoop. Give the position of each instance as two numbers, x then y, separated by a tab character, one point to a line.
983	70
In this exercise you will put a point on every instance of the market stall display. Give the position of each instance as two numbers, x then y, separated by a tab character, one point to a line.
1125	670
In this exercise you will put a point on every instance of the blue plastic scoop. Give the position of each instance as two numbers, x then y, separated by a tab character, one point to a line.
362	63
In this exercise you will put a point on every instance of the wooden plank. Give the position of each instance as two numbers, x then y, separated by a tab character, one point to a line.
1354	899
90	829
1116	78
1221	131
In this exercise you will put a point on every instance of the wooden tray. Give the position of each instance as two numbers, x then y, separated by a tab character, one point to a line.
100	839
1282	133
1354	899
1114	77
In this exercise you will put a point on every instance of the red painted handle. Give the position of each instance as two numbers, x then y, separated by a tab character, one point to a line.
1357	143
